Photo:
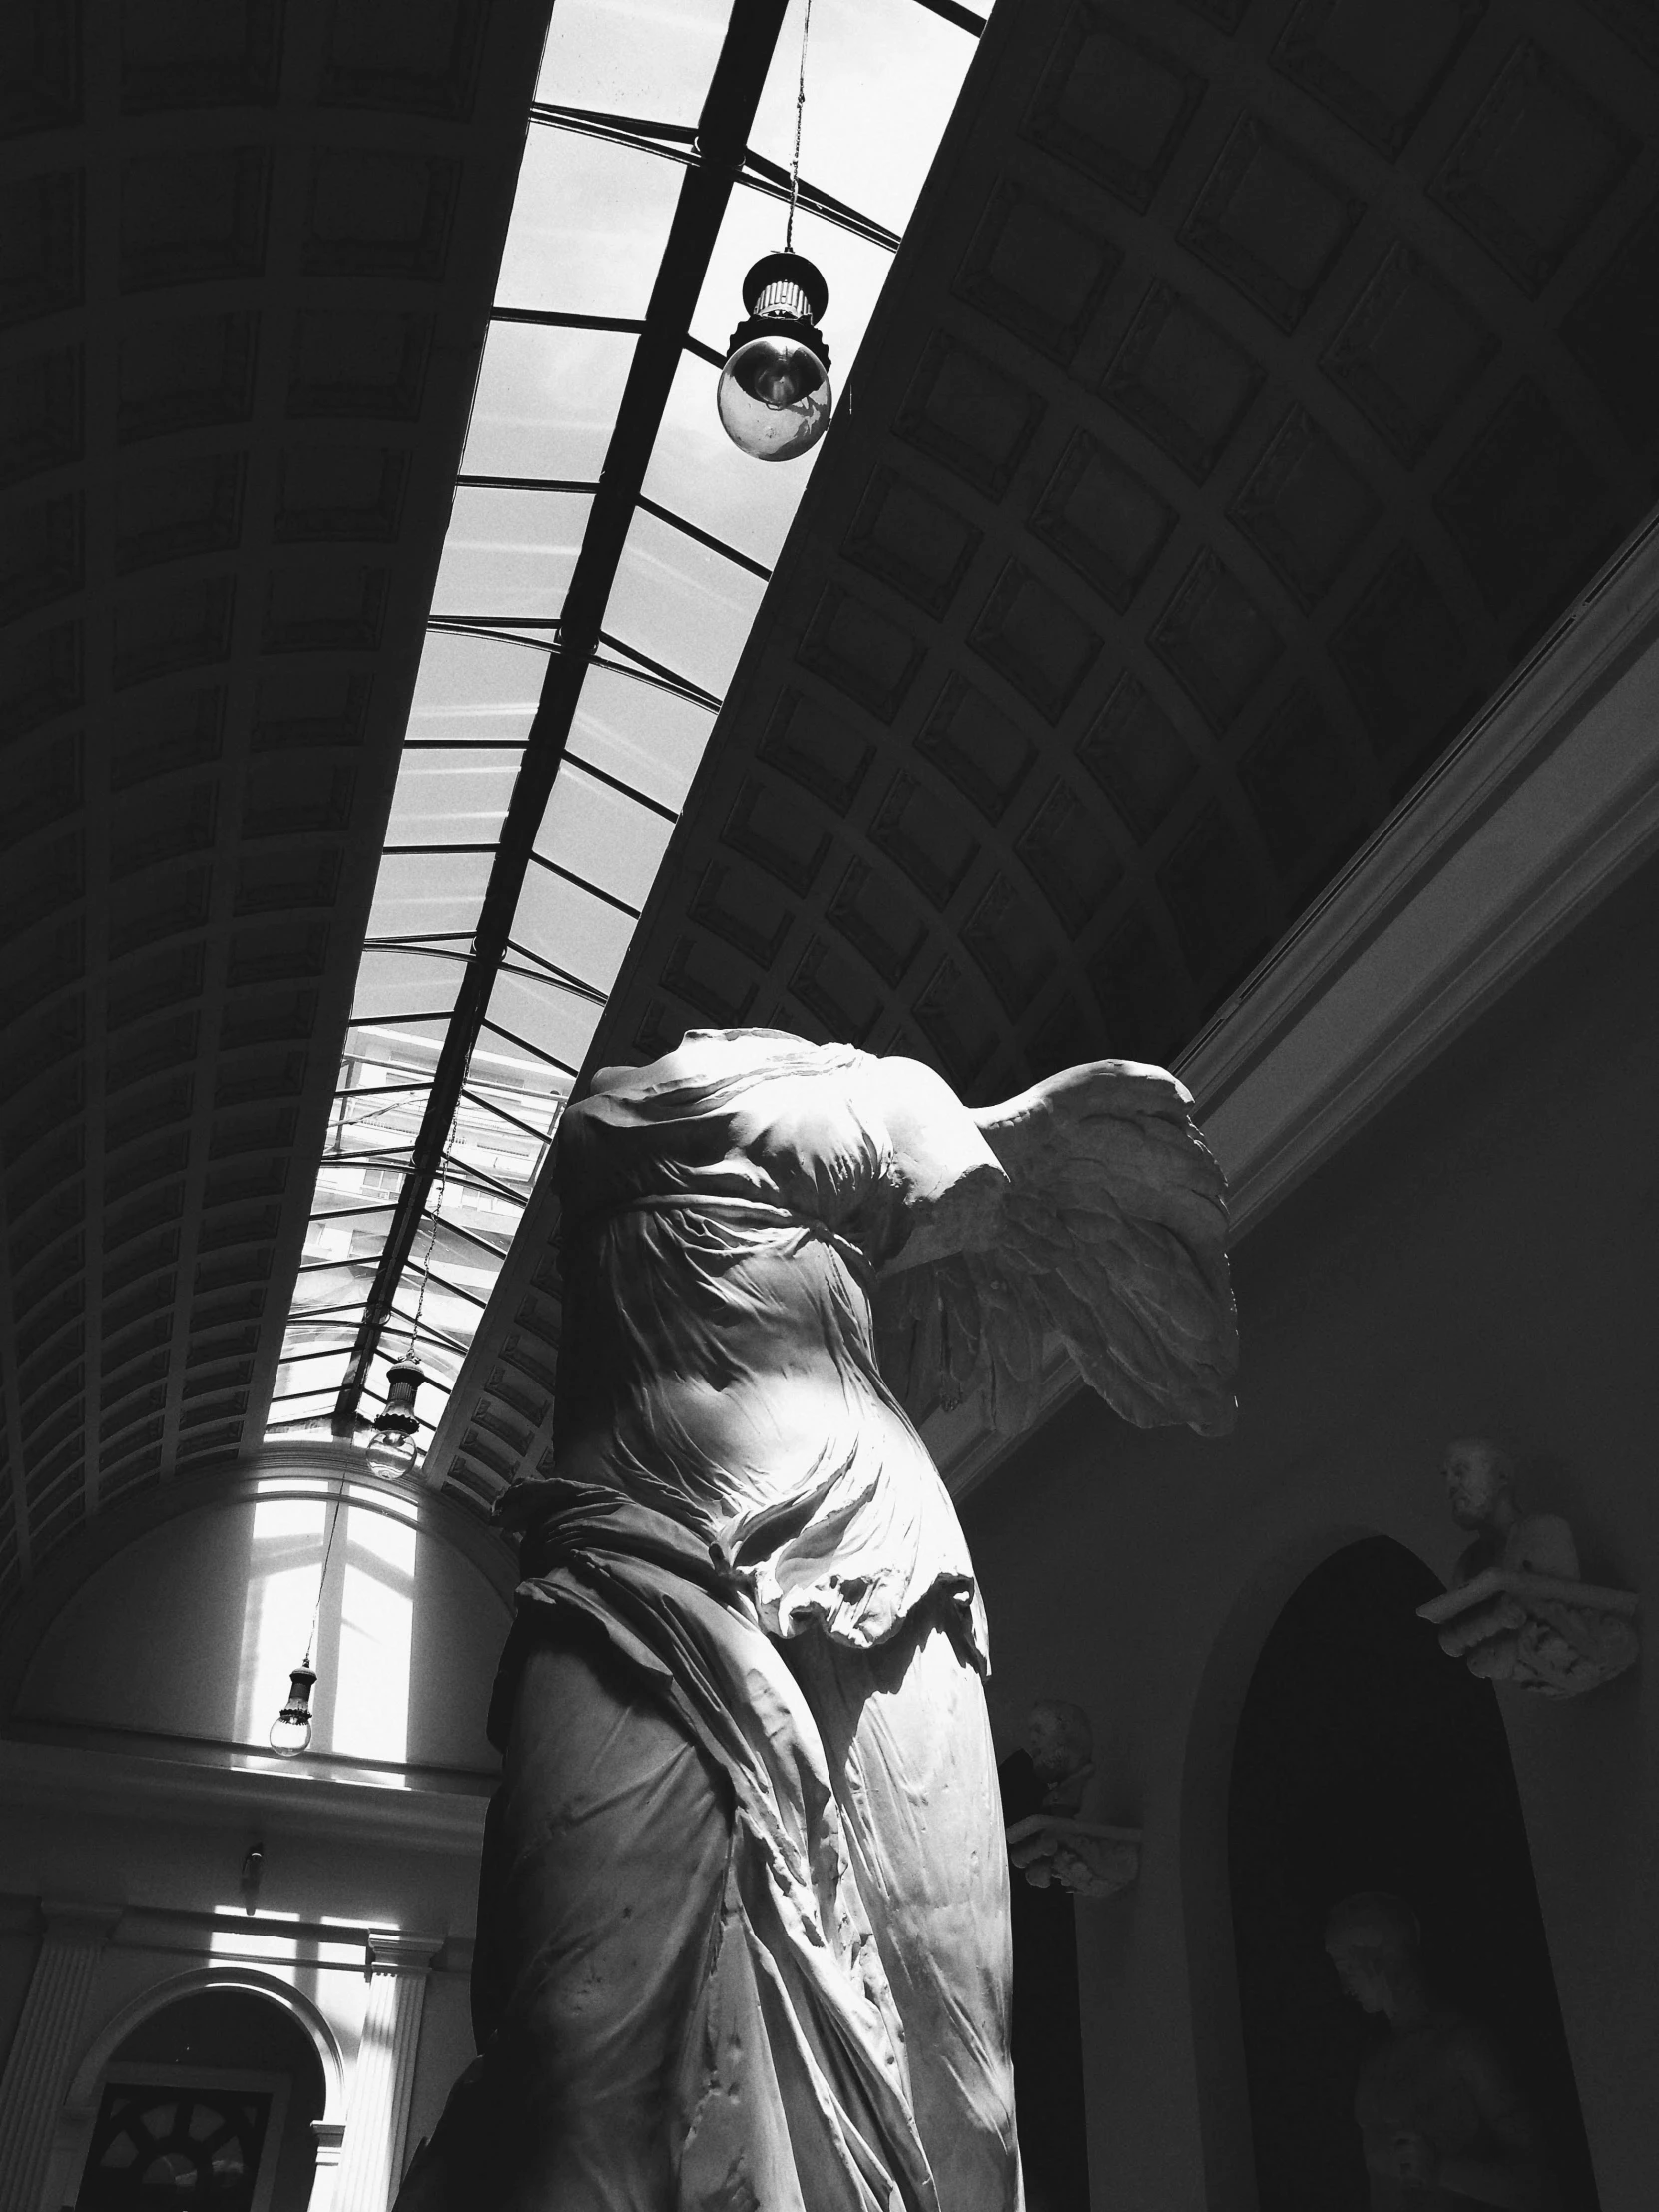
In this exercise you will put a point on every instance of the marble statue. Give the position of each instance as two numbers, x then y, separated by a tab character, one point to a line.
1054	1844
1480	1489
1441	2124
743	1912
1517	1611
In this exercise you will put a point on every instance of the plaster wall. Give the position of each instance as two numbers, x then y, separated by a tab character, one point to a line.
1479	1260
191	1628
126	1788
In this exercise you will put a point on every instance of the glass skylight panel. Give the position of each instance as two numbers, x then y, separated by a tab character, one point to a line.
509	553
472	691
541	1029
647	738
590	222
452	797
636	57
597	833
398	982
546	401
571	927
411	1042
589	225
681	605
429	894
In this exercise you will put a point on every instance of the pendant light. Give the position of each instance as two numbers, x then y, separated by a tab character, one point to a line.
397	1418
290	1731
773	396
393	1451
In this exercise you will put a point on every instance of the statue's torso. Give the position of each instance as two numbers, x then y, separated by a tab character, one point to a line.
718	1360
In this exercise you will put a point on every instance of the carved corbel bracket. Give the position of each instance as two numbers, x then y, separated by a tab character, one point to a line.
1079	1856
1541	1632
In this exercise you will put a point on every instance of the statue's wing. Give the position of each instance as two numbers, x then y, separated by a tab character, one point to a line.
1111	1235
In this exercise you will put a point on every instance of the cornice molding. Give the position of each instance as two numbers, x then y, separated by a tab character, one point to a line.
1547	801
78	1780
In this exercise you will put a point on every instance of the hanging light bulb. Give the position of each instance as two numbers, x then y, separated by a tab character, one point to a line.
391	1452
774	397
397	1418
290	1731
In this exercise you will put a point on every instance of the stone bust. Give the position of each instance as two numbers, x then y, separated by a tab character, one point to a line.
1054	1846
1441	2123
1060	1742
1517	1611
1480	1489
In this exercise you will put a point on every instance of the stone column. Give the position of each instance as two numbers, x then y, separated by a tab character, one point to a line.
377	2112
46	2045
330	2136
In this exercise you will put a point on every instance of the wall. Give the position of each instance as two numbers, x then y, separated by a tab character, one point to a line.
1478	1260
193	1628
134	1770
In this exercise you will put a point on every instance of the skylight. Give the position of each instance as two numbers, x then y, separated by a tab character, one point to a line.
442	1120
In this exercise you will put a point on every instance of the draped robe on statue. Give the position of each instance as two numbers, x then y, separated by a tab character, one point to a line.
744	1925
743	1937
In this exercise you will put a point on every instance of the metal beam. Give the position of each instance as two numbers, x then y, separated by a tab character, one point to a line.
963	18
722	134
674	143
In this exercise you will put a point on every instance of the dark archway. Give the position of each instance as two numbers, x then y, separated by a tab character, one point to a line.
166	2107
1367	1760
1047	2023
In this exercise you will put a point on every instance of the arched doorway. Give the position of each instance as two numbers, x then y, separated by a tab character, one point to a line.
209	2101
1366	1760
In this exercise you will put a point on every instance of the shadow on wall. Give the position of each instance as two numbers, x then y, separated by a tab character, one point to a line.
1366	1760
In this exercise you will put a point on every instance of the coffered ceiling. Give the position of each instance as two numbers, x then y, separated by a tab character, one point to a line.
245	256
1255	383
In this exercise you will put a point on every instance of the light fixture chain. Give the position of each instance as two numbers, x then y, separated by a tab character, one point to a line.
799	111
323	1579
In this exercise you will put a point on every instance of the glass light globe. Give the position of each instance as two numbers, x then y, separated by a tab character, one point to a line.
290	1731
774	397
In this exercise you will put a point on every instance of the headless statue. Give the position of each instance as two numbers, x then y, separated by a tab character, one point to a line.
743	1935
1441	2123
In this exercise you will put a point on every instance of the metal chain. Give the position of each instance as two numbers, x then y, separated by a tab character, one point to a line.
799	111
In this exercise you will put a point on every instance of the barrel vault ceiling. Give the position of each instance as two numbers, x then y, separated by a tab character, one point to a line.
1257	381
245	259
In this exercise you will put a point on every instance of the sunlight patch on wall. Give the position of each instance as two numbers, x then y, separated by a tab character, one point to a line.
363	1604
374	1637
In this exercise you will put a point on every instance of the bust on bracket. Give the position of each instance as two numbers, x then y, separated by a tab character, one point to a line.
1517	1610
1053	1845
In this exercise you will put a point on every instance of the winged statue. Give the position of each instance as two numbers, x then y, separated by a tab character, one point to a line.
1109	1233
744	1931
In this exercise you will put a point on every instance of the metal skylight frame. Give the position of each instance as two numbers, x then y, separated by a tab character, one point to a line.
437	1106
